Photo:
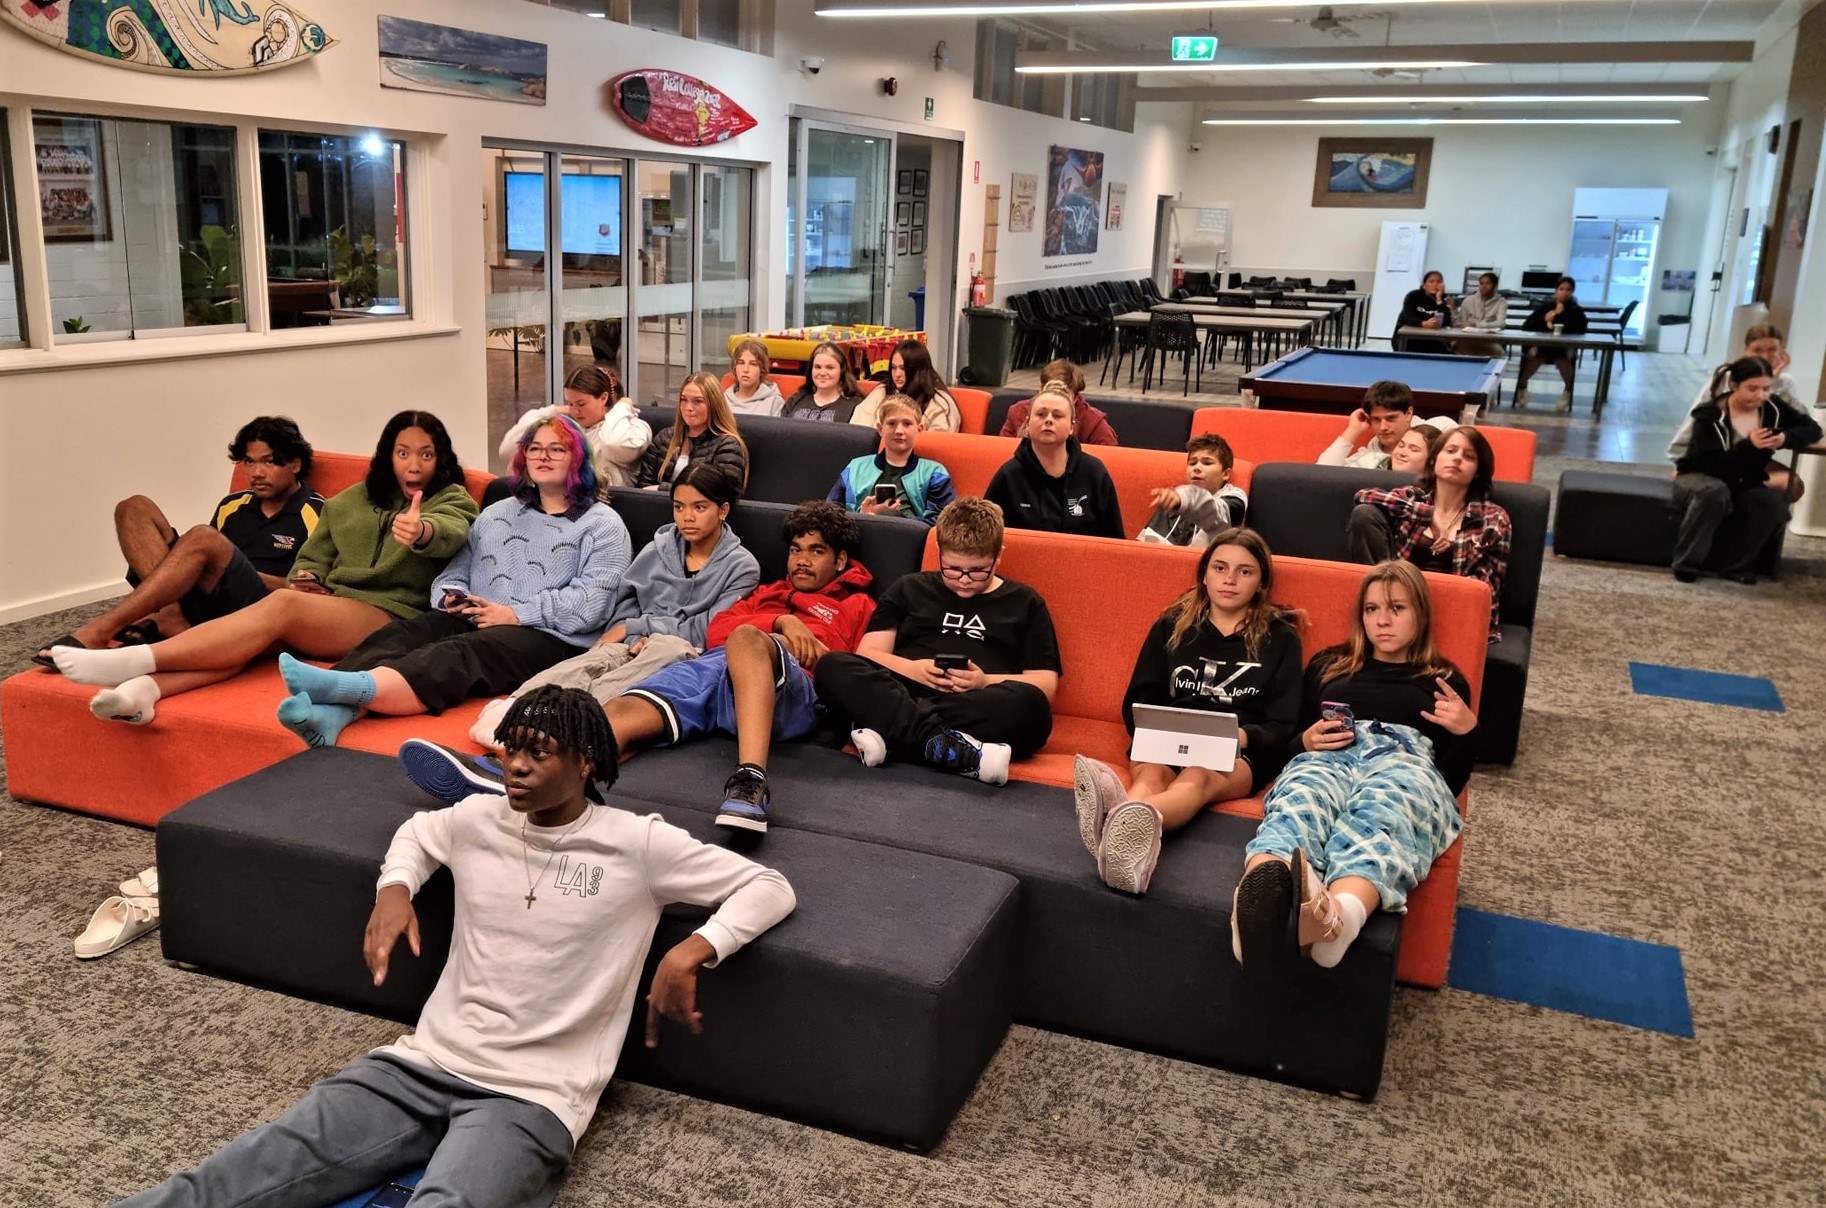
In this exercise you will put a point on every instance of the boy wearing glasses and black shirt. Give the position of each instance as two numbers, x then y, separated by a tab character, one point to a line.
959	666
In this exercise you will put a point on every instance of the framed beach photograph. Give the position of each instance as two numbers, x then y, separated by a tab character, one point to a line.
72	179
422	57
1372	173
919	182
903	181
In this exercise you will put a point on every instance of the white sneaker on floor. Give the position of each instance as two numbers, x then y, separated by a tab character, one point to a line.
1565	403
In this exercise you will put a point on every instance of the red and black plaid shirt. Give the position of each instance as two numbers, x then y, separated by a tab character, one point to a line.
1479	550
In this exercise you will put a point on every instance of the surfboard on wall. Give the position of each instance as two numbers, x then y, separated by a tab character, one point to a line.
179	37
676	108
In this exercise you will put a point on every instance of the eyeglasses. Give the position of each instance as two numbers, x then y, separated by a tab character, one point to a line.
547	452
970	574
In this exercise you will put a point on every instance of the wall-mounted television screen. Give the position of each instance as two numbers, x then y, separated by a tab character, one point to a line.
591	208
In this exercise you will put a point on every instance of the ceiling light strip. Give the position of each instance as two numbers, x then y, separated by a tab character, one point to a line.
1511	99
1016	8
1365	65
1442	121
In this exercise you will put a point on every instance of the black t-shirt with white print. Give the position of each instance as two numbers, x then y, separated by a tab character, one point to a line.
1005	632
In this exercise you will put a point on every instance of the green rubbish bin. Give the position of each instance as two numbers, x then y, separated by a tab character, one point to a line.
991	346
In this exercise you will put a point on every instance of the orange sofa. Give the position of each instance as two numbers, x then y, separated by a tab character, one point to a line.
1100	634
972	461
1262	435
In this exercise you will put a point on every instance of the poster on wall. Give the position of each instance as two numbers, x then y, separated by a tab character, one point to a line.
1023	188
1372	173
1794	233
421	57
1074	182
175	36
72	179
1119	196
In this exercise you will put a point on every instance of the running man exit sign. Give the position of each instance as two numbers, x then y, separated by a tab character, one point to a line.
1195	48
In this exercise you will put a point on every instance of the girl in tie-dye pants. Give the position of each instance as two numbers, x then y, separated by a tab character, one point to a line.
1357	818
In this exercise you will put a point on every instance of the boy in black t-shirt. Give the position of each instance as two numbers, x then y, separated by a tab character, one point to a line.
959	665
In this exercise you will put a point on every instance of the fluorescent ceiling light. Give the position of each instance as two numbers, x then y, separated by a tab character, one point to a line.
1442	121
1082	68
1513	99
1013	8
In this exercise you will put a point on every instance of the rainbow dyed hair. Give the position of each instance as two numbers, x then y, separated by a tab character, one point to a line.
580	483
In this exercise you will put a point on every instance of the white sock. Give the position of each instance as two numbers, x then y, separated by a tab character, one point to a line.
132	702
870	747
483	731
1327	953
104	667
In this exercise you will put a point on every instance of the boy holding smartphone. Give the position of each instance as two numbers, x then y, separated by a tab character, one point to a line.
895	481
959	666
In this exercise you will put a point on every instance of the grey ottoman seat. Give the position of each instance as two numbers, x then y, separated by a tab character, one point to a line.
1614	516
1153	973
872	1010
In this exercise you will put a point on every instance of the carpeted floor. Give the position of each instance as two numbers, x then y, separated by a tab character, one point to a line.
1679	823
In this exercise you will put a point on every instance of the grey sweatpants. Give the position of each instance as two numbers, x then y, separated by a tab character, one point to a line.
605	672
376	1118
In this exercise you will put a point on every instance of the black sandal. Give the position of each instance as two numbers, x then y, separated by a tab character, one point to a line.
140	633
1266	914
45	660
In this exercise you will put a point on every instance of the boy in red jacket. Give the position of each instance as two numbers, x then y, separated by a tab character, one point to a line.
754	679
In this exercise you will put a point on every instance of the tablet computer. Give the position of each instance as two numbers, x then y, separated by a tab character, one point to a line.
1184	737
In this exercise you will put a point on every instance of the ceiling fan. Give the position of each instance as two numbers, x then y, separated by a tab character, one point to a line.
1326	21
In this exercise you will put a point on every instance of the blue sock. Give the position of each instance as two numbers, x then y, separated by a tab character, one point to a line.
323	686
317	725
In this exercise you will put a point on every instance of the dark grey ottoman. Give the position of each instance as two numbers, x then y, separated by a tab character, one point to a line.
871	1010
1614	517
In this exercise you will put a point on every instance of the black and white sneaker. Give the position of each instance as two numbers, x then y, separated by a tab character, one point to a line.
955	751
449	775
745	800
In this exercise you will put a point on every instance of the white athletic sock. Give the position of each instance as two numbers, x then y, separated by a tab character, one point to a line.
488	721
132	702
1328	953
871	748
104	667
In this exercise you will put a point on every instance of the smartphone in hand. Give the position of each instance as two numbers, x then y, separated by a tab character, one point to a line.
1337	713
885	492
952	662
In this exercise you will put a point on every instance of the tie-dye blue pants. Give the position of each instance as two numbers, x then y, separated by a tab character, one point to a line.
1378	809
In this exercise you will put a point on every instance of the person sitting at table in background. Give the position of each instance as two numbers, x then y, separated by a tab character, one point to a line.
618	436
752	392
531	587
1050	483
1415	450
1371	431
703	431
1560	315
1764	340
895	481
1485	310
372	558
1725	471
1427	306
1224	646
830	392
1089	425
911	373
1205	504
210	570
1445	522
1369	800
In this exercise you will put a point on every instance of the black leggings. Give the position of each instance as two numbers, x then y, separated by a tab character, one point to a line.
445	660
865	695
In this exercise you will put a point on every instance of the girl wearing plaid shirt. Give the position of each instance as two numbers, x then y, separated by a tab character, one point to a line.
1445	522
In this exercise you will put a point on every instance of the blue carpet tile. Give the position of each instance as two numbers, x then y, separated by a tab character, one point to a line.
1579	972
1706	687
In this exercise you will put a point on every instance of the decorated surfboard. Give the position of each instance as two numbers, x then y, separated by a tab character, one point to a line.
181	37
676	108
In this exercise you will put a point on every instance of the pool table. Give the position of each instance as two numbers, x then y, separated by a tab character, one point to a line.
1332	380
868	348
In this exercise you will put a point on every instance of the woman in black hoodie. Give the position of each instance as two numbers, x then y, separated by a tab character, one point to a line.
1050	483
1725	471
1427	306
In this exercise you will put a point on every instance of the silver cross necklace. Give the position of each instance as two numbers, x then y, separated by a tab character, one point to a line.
526	858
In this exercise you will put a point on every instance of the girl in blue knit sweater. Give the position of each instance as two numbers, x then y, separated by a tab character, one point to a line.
532	587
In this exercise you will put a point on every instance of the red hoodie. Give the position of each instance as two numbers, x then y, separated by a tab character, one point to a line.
838	616
1089	425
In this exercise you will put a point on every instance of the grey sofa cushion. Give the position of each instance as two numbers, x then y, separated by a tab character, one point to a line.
789	460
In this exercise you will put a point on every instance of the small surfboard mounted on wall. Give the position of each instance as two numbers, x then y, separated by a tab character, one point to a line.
676	108
176	37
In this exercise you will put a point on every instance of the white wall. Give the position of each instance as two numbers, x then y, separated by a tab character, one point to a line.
1497	195
168	417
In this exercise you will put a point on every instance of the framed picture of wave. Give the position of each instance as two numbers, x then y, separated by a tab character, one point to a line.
1372	173
421	57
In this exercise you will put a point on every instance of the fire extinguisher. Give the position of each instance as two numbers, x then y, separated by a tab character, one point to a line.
1179	271
979	290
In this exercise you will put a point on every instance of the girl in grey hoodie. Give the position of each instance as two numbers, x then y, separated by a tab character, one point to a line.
693	569
752	392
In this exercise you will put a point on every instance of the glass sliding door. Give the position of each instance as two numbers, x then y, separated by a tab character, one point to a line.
843	190
592	301
725	297
663	298
518	301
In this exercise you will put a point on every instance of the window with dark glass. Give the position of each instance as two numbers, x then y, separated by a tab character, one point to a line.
335	218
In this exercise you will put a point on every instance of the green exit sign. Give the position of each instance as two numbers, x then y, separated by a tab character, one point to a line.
1196	48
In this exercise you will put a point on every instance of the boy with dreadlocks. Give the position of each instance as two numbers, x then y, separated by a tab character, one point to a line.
556	904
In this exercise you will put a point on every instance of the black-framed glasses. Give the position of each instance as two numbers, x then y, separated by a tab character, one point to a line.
547	452
970	574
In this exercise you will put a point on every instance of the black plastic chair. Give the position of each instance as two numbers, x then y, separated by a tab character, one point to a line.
1234	281
1623	329
1171	333
1341	285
